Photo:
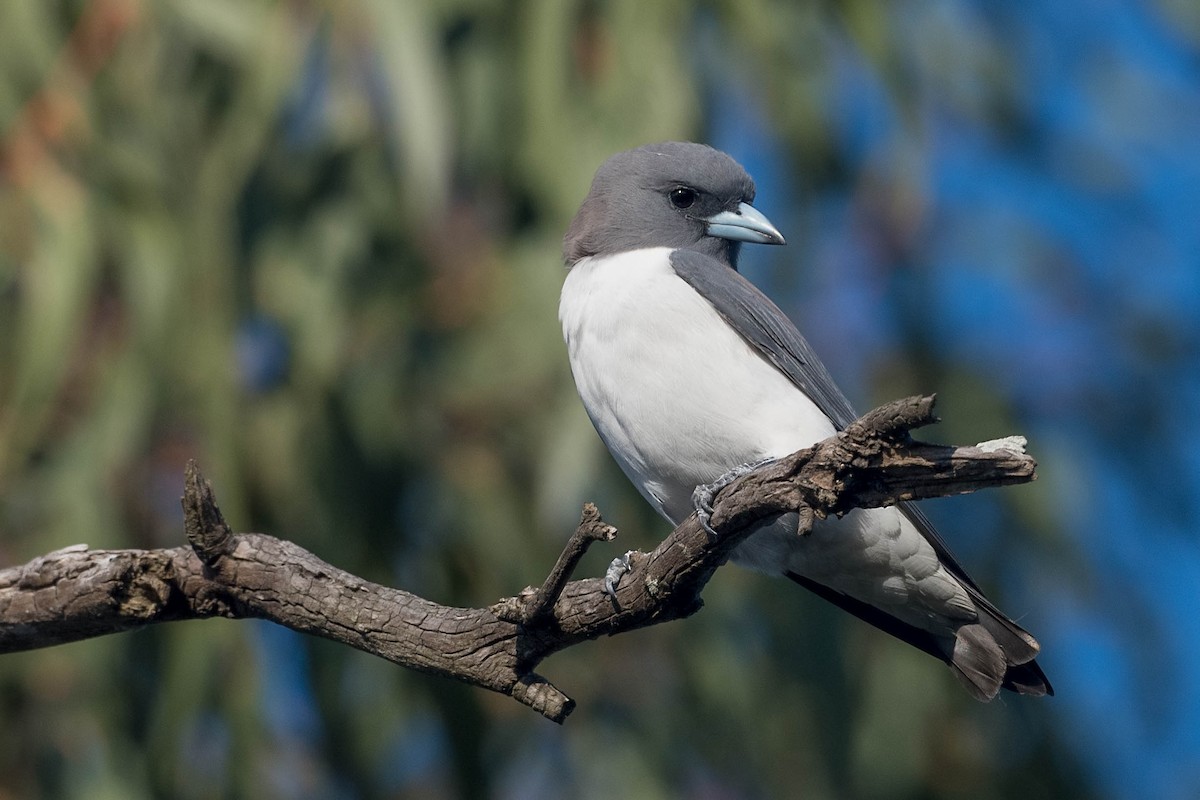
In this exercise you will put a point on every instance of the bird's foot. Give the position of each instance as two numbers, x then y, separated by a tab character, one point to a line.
616	570
705	493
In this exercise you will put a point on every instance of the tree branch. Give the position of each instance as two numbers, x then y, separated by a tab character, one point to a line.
78	593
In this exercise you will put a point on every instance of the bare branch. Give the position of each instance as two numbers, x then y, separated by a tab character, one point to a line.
78	593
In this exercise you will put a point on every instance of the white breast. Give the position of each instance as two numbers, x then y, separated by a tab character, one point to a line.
676	394
680	398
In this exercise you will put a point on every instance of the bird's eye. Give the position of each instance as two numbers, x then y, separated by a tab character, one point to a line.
683	197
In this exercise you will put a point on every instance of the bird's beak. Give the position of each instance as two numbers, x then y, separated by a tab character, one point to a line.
745	224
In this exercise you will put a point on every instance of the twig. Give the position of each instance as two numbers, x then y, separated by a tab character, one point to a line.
534	606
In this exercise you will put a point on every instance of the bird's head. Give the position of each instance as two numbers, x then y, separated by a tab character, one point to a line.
674	194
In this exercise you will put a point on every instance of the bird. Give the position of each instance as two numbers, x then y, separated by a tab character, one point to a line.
689	373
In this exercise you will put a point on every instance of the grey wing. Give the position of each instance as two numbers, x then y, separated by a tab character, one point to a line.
760	322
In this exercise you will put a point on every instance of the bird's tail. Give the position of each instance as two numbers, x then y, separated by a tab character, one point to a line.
986	655
995	653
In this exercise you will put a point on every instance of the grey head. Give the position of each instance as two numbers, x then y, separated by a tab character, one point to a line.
674	194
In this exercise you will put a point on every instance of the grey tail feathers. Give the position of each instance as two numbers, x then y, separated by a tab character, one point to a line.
995	653
986	656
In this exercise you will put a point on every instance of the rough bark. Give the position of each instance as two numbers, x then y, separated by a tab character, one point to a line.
77	593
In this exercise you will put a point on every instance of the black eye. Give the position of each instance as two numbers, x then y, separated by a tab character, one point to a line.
683	197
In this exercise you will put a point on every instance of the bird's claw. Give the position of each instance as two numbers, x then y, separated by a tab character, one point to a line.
705	493
702	498
616	570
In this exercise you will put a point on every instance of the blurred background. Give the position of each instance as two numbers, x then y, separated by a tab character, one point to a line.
316	246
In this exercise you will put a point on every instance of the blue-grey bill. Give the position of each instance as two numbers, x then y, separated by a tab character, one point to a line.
746	224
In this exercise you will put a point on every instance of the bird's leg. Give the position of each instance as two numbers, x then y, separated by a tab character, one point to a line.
705	493
616	570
